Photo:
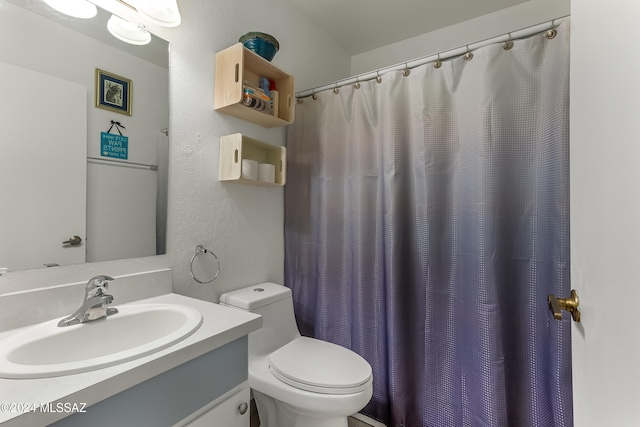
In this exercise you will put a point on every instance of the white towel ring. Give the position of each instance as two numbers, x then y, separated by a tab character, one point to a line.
199	251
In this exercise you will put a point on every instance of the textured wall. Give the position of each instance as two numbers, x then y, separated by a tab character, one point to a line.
242	224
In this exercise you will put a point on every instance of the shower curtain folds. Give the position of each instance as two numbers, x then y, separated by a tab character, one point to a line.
427	220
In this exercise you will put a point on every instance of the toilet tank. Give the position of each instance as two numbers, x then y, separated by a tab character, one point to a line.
275	304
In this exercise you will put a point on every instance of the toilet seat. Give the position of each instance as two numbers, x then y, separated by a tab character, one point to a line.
320	367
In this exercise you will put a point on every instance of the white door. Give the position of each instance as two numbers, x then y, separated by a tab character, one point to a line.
43	162
605	210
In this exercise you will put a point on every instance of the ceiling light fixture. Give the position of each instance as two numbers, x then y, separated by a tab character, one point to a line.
160	12
76	8
127	32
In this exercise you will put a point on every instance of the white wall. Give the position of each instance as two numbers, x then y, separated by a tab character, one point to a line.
242	224
605	210
523	15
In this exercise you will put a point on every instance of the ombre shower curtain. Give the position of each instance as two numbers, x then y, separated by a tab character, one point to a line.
427	220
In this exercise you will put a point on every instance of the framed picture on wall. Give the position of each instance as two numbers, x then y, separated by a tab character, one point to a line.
113	92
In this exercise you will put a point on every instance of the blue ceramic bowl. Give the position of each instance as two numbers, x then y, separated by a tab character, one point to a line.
263	44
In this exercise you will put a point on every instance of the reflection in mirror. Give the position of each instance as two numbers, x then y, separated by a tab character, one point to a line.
72	189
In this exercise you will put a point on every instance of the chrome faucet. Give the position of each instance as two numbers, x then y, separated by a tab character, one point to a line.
95	304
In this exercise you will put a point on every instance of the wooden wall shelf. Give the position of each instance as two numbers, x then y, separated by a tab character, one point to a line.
236	65
236	147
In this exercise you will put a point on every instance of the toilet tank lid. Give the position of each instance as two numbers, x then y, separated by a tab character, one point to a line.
255	296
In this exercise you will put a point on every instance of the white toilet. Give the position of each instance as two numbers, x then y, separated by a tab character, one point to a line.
298	381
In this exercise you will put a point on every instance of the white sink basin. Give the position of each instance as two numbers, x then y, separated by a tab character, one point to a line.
46	350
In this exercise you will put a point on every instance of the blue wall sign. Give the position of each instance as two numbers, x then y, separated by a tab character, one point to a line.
115	146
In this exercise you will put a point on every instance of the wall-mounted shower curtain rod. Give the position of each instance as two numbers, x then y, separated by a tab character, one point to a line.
123	163
375	74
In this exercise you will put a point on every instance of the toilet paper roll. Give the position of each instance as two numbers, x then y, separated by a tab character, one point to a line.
249	169
266	172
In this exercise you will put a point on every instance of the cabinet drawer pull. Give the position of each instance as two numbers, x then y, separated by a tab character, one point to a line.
243	408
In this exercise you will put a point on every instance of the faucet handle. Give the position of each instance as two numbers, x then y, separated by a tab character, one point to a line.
97	285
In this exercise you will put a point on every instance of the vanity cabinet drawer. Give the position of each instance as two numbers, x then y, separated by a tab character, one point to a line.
175	397
233	412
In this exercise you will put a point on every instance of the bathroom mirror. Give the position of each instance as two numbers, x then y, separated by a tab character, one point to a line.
79	182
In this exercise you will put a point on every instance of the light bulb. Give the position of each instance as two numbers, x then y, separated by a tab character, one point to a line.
76	8
160	12
127	32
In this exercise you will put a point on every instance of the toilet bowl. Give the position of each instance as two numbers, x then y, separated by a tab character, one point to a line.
298	381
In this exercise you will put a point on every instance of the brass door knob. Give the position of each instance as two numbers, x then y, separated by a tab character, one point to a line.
556	305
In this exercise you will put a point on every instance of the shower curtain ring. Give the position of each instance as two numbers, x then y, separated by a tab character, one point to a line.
552	33
299	100
406	70
379	77
438	62
468	56
356	84
314	96
336	89
508	44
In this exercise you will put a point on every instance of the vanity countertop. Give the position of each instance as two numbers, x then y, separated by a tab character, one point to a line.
220	326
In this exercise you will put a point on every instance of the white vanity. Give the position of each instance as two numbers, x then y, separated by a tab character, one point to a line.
201	380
